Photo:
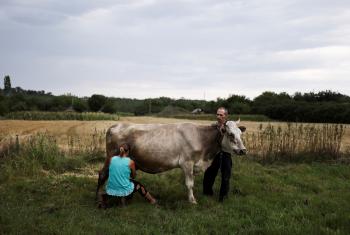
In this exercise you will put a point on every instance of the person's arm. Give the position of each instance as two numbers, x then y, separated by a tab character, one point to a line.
132	168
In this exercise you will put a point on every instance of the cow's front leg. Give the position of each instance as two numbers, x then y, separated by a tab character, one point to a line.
187	168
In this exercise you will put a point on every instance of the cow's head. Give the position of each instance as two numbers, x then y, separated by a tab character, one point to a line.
232	138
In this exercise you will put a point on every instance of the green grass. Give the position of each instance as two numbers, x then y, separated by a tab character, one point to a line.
264	199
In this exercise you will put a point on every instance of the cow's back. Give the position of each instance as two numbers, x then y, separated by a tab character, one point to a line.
156	147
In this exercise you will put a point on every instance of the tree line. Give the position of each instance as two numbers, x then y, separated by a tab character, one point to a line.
324	106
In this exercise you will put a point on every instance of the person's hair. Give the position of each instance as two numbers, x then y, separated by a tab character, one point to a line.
225	109
125	146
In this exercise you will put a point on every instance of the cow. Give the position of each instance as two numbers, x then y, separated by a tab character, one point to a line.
157	148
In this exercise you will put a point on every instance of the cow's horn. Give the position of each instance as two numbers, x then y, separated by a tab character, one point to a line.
239	120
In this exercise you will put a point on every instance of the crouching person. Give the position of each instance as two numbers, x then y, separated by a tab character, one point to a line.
120	187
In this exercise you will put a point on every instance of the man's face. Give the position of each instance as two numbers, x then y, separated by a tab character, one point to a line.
221	116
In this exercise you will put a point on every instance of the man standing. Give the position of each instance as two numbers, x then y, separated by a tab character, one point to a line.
221	161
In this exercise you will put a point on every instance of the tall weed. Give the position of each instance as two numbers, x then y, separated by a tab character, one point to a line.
296	142
91	148
38	154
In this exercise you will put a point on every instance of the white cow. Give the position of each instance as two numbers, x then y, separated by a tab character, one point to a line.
160	147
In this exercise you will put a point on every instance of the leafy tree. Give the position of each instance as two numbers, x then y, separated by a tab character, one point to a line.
3	108
109	107
19	106
142	108
238	99
210	107
16	98
127	105
7	84
238	108
322	96
157	105
189	105
3	105
80	105
263	103
237	104
96	102
2	97
43	103
61	103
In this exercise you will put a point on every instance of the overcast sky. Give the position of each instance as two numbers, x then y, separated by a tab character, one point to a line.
192	49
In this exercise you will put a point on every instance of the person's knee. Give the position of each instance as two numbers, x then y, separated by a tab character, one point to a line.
141	189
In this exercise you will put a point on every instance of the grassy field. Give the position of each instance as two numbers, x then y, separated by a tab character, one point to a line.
270	199
45	190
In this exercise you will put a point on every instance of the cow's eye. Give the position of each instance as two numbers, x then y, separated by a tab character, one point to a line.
232	137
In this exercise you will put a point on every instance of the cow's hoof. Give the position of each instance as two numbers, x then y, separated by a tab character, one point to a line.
193	201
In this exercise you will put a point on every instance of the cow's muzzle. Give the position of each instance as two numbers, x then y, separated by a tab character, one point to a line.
242	152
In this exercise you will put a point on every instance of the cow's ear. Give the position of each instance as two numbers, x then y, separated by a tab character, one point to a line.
242	128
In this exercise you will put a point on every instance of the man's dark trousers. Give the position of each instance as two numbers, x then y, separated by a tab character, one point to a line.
221	161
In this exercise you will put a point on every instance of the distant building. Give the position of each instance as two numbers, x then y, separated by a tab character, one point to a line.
70	109
197	111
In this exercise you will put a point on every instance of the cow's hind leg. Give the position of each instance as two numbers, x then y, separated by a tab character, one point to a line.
102	177
187	168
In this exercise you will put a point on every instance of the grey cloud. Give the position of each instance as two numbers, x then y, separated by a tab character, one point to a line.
175	47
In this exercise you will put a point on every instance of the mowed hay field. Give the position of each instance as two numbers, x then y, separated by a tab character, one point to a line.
278	198
63	129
